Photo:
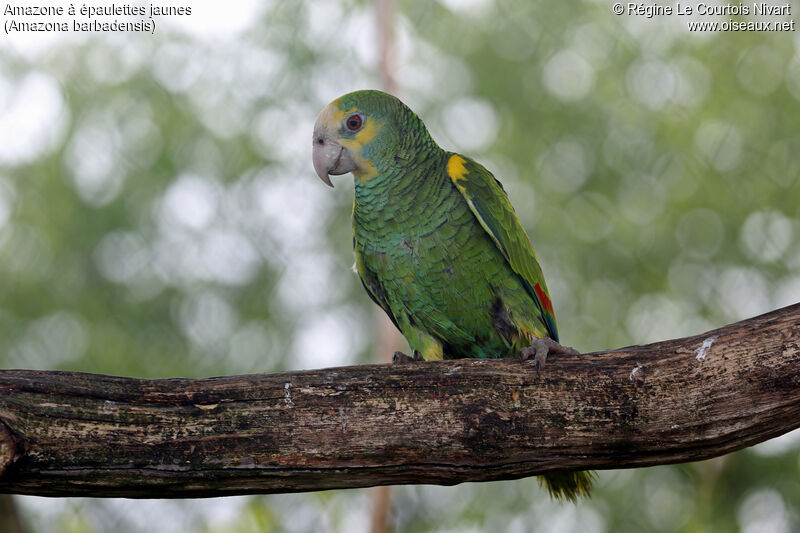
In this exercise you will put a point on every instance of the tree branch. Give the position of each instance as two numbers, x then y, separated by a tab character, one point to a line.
70	434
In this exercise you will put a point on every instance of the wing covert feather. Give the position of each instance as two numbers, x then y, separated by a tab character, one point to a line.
490	204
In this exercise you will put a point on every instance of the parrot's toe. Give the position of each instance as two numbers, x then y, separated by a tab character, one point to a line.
539	349
400	357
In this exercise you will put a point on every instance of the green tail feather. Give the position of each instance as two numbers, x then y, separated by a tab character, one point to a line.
568	485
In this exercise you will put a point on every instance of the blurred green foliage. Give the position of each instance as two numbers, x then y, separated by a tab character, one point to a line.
159	216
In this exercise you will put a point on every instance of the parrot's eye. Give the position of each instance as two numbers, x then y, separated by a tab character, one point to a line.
354	122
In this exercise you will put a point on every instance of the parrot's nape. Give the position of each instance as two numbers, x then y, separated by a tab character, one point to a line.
438	245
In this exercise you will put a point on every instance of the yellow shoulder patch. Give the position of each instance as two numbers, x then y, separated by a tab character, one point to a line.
456	168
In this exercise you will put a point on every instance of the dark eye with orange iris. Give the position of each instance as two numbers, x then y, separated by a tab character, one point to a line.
353	122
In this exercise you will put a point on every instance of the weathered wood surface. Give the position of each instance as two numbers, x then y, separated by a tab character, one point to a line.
70	434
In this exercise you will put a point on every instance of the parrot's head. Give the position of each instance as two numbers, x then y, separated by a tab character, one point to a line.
367	133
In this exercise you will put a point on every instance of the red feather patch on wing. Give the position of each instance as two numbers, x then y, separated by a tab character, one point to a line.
543	298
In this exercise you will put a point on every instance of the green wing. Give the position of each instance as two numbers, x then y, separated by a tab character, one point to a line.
491	206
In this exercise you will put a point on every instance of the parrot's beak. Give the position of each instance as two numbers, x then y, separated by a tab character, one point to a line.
329	156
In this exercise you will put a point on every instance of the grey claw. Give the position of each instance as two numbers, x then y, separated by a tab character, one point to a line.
539	349
400	357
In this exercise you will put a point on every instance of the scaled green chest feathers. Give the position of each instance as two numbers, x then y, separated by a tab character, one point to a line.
438	245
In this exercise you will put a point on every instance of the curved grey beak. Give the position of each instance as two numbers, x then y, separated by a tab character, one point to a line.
329	156
326	155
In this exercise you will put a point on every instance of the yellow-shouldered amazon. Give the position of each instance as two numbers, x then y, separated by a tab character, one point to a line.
438	245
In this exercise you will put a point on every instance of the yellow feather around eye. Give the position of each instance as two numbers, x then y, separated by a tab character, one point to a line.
364	136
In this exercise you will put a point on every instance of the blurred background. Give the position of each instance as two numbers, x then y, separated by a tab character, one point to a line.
160	217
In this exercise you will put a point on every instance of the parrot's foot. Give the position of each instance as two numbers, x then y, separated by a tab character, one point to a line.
539	349
400	357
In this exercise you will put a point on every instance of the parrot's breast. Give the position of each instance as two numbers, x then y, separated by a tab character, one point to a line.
438	269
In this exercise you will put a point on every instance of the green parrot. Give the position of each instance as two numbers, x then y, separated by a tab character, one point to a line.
438	245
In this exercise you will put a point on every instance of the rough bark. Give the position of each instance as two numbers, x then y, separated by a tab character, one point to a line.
69	434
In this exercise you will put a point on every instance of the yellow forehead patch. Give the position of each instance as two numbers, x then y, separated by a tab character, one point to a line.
456	168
